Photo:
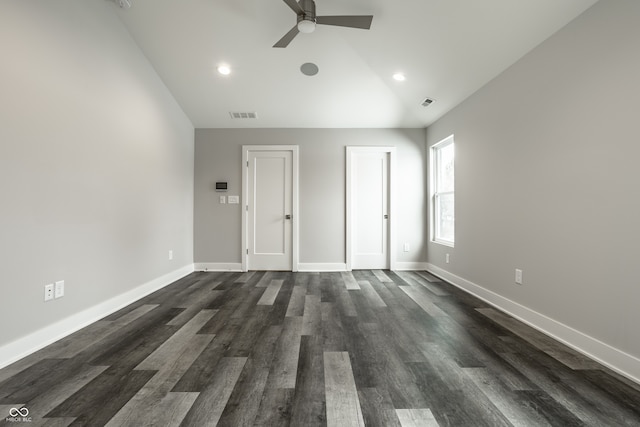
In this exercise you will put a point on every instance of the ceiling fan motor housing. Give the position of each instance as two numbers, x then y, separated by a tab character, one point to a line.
309	9
307	18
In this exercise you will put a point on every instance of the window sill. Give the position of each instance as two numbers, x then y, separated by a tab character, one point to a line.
444	243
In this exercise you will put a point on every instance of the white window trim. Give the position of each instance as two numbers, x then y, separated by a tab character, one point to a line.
433	195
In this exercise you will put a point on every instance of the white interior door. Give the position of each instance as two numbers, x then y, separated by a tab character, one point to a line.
370	210
269	210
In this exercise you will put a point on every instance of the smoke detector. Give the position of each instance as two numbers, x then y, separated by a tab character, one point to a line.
125	4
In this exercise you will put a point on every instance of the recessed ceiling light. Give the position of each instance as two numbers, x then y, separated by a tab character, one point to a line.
225	70
399	77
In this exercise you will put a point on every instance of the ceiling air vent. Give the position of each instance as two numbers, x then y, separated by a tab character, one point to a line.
236	115
427	102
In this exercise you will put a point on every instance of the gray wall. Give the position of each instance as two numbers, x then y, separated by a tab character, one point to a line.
96	163
547	178
322	189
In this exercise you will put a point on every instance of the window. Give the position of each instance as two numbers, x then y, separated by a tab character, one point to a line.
443	200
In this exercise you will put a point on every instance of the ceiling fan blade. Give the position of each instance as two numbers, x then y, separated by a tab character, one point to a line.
354	21
293	4
284	42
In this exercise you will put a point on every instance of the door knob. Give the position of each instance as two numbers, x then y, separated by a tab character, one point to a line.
287	216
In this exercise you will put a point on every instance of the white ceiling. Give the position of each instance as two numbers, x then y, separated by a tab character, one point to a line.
447	49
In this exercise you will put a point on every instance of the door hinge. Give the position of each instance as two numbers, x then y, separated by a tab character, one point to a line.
247	251
247	163
247	208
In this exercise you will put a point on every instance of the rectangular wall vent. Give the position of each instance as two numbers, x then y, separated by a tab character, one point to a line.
237	115
427	102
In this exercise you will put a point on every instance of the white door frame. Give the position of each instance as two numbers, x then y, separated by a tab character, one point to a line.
246	149
392	202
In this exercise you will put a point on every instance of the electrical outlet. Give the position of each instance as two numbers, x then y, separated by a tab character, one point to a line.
406	247
170	255
59	289
518	276
48	292
446	258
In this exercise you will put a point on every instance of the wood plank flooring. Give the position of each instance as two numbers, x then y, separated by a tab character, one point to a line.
374	348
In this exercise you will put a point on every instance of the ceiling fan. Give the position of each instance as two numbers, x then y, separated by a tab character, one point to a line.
307	20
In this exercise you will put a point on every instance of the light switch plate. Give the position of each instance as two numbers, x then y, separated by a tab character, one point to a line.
223	200
59	289
234	200
518	276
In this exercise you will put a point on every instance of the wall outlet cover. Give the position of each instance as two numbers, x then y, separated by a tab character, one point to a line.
48	292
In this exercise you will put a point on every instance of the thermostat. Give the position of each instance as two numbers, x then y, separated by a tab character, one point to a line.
221	186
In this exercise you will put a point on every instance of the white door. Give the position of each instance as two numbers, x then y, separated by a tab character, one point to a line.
370	210
269	210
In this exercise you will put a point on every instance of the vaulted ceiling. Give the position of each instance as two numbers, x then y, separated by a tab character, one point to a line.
447	49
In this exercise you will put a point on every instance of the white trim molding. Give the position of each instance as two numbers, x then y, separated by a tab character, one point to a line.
321	267
615	359
432	191
411	266
22	347
218	266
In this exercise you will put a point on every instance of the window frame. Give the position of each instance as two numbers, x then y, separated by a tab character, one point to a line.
436	195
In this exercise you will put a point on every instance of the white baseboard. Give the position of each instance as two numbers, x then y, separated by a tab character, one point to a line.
321	267
22	347
410	266
617	360
218	266
306	266
337	266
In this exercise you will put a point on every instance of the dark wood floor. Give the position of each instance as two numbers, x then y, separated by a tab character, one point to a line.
302	349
